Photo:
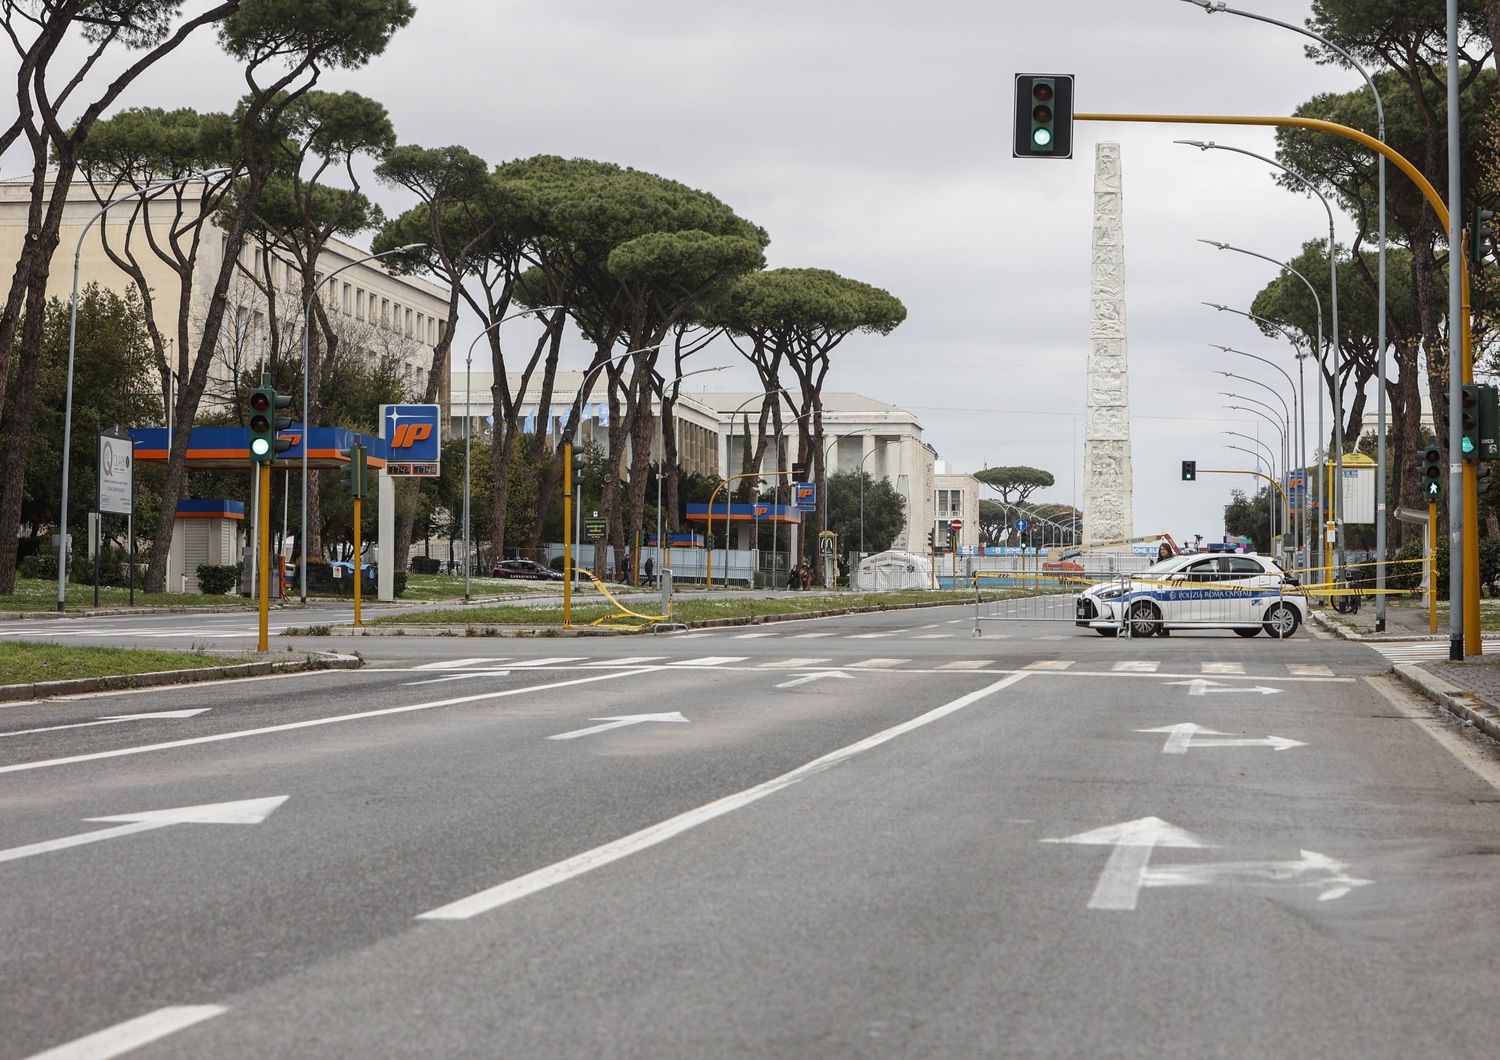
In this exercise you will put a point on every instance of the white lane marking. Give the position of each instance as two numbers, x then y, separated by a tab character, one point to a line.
545	662
1187	734
754	636
619	723
1136	666
458	677
629	660
965	664
693	636
1050	664
169	715
458	664
132	1034
811	636
934	636
873	636
710	660
245	811
1309	670
879	664
791	664
1201	686
935	625
1054	638
23	767
1223	668
1131	842
958	622
820	675
539	880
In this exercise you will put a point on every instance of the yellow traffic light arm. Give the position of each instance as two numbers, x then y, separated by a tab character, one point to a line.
1428	191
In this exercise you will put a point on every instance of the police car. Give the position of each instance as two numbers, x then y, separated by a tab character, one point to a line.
1245	593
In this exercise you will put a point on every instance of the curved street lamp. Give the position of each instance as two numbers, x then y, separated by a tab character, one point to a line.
62	522
469	424
306	419
1337	492
1212	6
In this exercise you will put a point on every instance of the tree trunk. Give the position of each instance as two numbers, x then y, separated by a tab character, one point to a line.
502	445
670	518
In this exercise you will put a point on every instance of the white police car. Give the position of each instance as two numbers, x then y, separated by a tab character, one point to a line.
1245	593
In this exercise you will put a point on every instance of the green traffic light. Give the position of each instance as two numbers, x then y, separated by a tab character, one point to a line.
260	447
1468	445
1042	137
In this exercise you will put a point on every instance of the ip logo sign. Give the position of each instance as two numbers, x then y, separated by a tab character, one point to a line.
411	431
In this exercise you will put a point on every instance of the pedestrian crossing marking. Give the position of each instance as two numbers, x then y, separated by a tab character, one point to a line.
710	660
965	664
787	664
1413	651
1136	666
879	664
545	662
1049	664
811	636
1223	668
876	636
629	660
1309	670
753	636
934	636
458	664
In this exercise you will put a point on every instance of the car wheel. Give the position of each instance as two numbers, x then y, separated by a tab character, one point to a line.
1281	621
1145	619
1253	631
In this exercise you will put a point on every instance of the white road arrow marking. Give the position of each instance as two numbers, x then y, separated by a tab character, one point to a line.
1133	841
620	722
815	677
1310	870
1198	687
1181	737
246	811
114	719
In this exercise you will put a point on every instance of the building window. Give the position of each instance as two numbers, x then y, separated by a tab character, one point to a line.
950	504
406	330
344	301
385	312
431	332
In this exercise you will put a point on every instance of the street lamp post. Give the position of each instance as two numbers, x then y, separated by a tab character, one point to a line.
62	522
1333	281
867	456
469	425
1299	392
661	433
1335	495
1212	6
1268	415
1287	422
306	419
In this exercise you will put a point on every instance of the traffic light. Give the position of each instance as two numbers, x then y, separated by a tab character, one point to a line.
358	470
931	539
799	472
1190	471
1469	439
1044	116
1482	236
265	404
1432	473
1489	422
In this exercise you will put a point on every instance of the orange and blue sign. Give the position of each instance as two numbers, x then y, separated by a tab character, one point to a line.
413	439
805	496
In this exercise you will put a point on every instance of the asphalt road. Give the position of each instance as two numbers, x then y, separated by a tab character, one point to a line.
867	836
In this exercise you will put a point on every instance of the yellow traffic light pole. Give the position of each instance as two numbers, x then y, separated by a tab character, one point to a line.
567	537
1468	511
263	471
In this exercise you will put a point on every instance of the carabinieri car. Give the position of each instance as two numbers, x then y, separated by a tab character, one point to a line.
1245	593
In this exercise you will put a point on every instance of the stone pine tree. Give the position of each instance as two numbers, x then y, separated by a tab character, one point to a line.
57	43
808	313
285	46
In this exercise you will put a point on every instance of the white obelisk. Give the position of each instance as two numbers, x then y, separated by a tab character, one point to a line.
1107	476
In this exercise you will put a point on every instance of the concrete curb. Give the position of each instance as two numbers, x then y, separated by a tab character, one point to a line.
1341	631
1464	705
586	631
76	686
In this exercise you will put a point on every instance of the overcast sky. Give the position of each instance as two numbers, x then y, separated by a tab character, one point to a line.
873	137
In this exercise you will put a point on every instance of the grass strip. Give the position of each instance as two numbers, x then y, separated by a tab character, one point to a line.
685	609
37	594
23	663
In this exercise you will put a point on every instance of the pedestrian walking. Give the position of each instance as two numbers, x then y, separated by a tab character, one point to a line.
650	569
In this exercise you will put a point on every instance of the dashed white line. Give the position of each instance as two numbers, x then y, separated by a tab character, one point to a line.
132	1034
1309	670
1223	668
786	664
1136	666
965	664
879	664
1049	664
710	660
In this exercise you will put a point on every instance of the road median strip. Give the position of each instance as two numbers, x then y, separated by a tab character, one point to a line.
295	663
